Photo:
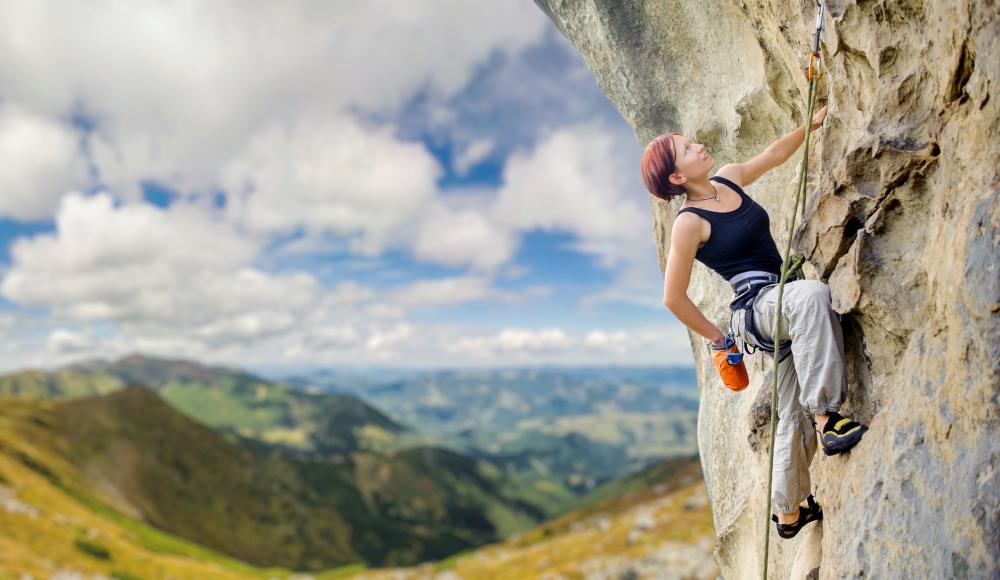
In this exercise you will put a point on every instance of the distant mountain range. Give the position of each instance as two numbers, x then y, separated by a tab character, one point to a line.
231	401
574	428
134	454
173	457
78	479
581	426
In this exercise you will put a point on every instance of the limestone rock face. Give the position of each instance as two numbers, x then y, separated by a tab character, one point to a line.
903	223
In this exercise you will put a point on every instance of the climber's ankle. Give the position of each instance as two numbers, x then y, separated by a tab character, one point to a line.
821	422
789	518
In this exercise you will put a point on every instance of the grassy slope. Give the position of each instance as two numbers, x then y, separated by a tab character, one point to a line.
229	400
149	461
598	530
49	542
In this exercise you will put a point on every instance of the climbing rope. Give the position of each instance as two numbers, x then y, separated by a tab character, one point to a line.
788	268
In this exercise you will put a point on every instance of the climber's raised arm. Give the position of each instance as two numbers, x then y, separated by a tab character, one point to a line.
775	154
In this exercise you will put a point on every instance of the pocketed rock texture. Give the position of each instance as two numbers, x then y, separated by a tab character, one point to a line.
903	223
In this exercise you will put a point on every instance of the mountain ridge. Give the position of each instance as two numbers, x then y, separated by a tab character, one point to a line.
145	458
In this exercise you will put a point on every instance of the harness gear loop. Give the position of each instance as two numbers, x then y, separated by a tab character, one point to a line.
788	267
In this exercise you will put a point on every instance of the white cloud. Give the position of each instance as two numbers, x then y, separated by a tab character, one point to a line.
178	282
174	270
515	271
331	175
62	341
321	342
382	342
584	179
666	344
7	320
456	290
350	293
265	100
41	161
463	237
472	154
608	341
543	86
514	341
578	179
176	89
384	311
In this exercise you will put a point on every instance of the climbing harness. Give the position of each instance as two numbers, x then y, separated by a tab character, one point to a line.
746	287
728	357
788	268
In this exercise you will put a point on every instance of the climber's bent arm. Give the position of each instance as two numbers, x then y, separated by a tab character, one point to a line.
777	153
684	240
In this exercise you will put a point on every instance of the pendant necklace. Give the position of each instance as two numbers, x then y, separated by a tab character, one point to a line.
715	197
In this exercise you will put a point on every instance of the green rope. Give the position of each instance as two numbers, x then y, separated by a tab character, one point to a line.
788	268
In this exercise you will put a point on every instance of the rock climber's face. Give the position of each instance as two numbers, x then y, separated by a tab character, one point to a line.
691	160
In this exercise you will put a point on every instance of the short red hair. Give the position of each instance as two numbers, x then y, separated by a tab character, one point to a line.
657	165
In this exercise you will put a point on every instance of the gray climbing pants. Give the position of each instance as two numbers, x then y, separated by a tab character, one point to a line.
812	378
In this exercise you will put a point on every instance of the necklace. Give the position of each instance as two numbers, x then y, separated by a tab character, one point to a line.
715	197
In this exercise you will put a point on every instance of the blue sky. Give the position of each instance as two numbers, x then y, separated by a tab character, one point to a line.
181	185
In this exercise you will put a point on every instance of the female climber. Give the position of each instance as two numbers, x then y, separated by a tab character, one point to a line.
722	227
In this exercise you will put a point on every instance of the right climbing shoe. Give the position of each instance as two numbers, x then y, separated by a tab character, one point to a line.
840	434
810	513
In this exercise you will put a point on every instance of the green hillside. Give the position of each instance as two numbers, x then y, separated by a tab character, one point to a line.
679	471
578	426
51	520
233	402
659	526
133	455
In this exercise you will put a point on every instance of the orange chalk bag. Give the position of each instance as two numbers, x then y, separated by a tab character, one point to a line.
729	362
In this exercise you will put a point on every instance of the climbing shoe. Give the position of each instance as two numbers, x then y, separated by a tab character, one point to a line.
840	434
809	513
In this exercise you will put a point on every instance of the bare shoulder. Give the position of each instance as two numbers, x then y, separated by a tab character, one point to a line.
689	229
733	172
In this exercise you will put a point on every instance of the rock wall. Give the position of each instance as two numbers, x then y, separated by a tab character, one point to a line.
902	222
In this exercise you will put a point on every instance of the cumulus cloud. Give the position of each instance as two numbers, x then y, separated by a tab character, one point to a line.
457	290
170	268
456	237
381	341
331	175
472	154
514	341
577	180
580	179
261	103
514	96
607	341
63	341
667	343
41	161
175	89
584	179
177	282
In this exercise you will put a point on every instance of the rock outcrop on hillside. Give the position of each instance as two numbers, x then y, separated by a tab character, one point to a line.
902	222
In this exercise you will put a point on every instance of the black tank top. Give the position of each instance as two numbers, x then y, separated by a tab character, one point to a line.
740	240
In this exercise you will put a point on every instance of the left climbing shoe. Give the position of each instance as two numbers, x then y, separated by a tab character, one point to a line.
840	434
809	513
